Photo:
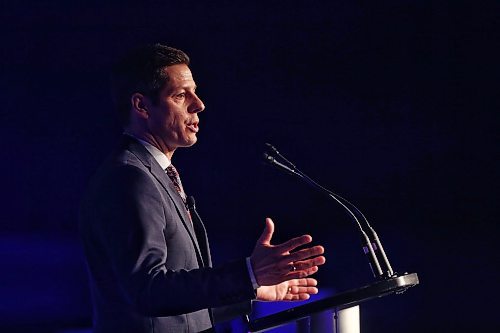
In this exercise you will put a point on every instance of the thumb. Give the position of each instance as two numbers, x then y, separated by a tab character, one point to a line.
267	234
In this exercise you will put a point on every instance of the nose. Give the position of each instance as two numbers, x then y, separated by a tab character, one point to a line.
197	105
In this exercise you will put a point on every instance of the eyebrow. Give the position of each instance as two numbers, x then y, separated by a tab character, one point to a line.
188	86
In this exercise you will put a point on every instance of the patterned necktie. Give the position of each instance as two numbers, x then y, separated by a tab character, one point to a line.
176	180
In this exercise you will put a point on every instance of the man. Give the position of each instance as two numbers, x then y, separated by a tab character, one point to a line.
147	252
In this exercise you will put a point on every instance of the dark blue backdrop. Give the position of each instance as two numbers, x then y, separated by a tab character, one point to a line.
390	104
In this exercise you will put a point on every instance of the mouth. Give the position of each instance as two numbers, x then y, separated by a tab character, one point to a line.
193	127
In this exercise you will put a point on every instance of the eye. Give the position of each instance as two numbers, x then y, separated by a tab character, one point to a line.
181	95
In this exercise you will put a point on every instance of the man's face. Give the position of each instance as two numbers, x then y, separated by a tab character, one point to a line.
173	121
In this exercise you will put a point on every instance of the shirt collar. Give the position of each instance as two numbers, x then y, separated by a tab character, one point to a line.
158	155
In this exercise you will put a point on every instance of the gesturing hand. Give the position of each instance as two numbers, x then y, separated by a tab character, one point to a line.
293	290
274	264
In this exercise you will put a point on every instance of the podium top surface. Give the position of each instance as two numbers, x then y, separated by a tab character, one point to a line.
339	301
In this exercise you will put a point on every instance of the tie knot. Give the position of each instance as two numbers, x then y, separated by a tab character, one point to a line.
172	171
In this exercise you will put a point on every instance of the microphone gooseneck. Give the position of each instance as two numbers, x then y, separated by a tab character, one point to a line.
368	245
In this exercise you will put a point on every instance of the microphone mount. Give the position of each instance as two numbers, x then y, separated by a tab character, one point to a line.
371	246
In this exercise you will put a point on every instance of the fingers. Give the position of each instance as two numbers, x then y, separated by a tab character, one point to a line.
297	297
306	253
294	243
274	264
307	282
302	285
304	268
267	234
305	264
301	274
301	289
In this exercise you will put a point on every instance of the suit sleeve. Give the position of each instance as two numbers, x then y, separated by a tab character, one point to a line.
128	220
229	312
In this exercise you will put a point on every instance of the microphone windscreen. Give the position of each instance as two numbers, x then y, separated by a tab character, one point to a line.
190	202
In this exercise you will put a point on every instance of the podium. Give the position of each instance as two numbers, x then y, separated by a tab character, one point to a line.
338	313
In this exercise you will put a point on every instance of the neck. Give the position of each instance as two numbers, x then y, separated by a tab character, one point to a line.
152	140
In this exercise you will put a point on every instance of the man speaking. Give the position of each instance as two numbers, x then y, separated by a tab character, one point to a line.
146	247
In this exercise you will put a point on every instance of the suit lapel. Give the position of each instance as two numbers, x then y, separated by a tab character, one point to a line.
145	157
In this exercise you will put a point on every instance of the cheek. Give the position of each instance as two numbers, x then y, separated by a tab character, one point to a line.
163	125
171	121
173	127
177	121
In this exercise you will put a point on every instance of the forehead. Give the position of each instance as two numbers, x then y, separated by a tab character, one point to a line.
179	73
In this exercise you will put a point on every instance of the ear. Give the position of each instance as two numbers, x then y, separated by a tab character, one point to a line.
139	105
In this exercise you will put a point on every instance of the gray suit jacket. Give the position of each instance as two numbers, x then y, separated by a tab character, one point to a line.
149	266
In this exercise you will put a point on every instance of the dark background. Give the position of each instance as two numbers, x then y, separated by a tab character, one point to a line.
391	104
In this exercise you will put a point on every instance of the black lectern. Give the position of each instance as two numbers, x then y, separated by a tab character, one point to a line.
339	307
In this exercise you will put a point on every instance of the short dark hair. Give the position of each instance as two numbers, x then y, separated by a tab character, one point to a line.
141	71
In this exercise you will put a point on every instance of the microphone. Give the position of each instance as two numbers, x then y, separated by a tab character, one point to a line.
274	150
368	245
191	203
271	160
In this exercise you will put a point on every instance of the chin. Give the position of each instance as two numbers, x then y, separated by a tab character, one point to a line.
190	142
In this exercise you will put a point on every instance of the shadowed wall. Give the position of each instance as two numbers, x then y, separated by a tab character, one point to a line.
389	104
